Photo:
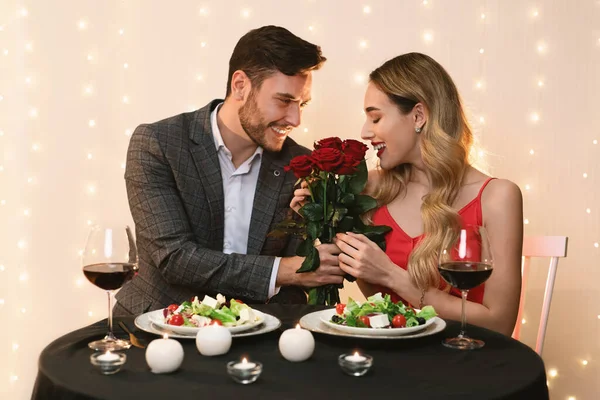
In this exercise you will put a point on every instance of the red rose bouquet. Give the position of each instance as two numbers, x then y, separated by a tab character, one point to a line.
336	174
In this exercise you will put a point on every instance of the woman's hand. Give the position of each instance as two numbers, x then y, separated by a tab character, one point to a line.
364	260
300	196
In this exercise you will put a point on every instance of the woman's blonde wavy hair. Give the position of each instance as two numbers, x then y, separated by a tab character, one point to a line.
446	140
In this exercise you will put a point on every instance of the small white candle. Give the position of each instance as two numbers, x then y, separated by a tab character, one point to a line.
296	344
244	365
356	357
213	340
108	356
164	355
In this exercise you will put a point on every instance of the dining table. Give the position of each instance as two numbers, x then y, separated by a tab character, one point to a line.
417	367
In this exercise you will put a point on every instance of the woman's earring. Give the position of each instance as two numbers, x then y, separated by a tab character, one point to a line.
418	130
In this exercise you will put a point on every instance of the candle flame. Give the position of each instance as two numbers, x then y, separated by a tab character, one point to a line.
244	361
297	326
356	353
165	336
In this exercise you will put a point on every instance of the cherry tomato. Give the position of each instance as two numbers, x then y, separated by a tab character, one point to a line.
176	319
365	320
339	308
173	307
216	322
399	321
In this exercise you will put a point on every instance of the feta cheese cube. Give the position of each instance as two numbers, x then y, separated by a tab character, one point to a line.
209	301
246	315
221	299
379	321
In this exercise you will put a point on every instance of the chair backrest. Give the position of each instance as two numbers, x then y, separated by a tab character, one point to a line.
553	247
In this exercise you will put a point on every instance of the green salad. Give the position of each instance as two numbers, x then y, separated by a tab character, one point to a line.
380	312
196	313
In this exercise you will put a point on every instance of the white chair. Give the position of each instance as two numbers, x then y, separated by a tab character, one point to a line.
540	246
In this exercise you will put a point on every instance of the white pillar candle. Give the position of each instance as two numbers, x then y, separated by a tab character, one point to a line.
213	340
296	344
164	355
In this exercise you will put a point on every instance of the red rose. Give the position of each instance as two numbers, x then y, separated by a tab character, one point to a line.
355	149
331	142
327	158
301	165
349	165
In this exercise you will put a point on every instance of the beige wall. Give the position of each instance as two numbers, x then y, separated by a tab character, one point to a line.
177	53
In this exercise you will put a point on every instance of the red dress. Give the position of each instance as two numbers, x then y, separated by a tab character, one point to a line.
399	245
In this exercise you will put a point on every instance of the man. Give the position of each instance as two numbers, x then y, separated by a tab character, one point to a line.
205	188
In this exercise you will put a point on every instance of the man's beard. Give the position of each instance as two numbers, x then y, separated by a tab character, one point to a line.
256	131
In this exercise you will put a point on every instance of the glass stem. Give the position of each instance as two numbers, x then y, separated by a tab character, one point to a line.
463	316
110	335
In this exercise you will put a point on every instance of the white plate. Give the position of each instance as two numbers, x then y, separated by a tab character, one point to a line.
143	322
327	314
319	322
158	319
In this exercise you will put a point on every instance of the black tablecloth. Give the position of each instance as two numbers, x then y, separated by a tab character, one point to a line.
409	369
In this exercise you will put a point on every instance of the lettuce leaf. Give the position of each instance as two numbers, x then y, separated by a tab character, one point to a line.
427	312
236	307
225	315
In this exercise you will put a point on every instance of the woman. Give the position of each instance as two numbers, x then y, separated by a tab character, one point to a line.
417	126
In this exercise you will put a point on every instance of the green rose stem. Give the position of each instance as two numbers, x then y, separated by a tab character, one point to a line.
325	199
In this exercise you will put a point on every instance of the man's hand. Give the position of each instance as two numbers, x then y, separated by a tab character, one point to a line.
300	196
328	272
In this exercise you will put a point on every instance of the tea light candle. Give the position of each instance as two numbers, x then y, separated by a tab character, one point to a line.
107	357
244	372
296	344
355	357
213	340
108	363
244	365
355	364
164	355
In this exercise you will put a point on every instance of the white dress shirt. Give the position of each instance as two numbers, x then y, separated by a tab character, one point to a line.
237	183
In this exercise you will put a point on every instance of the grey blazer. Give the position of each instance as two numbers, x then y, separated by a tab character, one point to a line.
175	193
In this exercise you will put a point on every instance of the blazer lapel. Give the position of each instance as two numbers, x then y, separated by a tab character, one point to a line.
268	187
205	157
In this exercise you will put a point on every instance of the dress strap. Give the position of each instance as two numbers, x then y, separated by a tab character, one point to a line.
483	187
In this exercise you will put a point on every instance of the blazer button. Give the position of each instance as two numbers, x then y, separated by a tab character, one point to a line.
276	172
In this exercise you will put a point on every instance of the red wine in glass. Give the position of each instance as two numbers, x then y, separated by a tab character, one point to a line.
465	275
465	262
109	260
109	276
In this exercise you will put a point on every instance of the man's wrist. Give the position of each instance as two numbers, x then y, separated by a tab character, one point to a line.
286	276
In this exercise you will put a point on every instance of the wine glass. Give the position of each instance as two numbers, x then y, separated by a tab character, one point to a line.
465	262
109	260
